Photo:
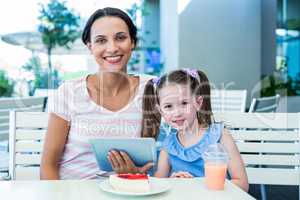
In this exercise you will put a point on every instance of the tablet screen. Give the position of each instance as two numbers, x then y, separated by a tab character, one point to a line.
140	150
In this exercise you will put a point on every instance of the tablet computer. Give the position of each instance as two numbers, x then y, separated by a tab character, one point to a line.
140	150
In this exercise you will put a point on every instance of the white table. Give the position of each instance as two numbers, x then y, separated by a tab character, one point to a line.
182	189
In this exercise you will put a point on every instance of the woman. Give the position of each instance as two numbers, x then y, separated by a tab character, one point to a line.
105	104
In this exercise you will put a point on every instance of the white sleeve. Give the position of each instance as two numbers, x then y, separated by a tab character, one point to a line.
59	102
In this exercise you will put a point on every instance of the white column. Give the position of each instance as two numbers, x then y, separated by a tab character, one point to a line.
169	38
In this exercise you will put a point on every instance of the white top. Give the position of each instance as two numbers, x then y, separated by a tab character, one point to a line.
89	120
191	189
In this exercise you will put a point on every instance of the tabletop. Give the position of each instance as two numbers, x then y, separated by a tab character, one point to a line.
90	190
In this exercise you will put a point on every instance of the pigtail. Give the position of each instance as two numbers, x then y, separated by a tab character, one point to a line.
205	115
151	116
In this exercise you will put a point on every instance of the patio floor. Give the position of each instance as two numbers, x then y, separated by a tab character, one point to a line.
280	192
4	161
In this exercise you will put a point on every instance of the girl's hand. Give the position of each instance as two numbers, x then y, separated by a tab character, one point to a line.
182	174
122	163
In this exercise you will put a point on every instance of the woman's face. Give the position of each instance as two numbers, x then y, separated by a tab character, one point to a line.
111	43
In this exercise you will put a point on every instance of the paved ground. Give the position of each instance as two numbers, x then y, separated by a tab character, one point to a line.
3	160
4	145
3	156
276	192
3	164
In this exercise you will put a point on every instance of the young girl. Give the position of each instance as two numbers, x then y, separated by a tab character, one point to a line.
182	99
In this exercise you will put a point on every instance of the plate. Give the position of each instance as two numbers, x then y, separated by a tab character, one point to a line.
156	186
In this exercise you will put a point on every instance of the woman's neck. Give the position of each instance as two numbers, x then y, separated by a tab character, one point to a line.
110	83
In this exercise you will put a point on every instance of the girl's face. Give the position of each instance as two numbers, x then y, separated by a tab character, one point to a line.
178	106
111	44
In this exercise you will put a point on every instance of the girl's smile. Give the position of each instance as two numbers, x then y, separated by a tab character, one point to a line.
178	106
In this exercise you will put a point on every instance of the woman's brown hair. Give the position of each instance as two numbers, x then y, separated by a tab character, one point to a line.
199	86
108	12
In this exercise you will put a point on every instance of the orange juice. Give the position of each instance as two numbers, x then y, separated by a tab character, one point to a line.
215	174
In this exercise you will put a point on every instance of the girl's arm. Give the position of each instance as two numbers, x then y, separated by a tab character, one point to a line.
55	140
163	166
236	165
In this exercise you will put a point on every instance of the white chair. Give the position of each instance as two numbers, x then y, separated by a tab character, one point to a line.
265	104
18	104
269	145
26	134
47	93
228	100
44	92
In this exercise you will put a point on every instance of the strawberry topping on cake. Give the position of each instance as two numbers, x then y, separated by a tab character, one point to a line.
133	176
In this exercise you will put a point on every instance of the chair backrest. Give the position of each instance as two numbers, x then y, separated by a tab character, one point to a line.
270	140
26	136
44	92
18	104
228	100
265	104
47	93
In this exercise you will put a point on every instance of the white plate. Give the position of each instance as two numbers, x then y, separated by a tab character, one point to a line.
156	186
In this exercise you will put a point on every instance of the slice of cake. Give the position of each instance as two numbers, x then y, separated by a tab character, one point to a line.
136	183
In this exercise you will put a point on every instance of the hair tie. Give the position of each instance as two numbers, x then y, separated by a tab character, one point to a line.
193	73
155	82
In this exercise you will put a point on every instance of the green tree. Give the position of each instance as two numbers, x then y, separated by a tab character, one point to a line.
6	85
58	27
41	75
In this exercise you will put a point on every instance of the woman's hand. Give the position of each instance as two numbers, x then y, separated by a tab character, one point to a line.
122	163
181	174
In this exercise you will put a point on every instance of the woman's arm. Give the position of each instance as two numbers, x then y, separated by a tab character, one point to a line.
55	140
163	166
122	163
236	165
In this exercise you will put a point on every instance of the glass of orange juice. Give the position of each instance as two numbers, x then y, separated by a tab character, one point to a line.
215	166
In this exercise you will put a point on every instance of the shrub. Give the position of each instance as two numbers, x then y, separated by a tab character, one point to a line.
6	85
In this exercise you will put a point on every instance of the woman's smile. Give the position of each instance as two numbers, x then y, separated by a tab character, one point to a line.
113	59
111	43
